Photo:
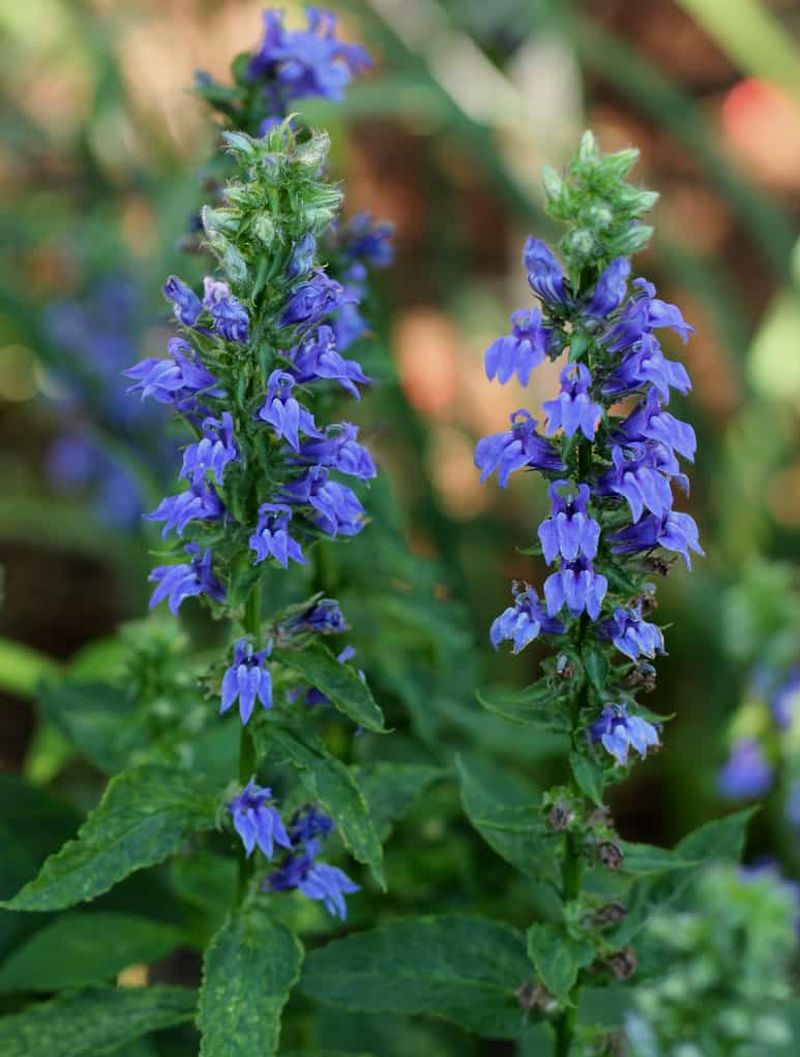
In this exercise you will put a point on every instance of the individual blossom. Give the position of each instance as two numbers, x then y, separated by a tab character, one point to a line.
282	410
309	822
569	531
256	821
340	450
311	300
198	503
545	274
574	408
247	679
618	732
633	636
578	587
517	448
520	351
747	772
302	259
175	583
323	617
229	315
524	621
179	379
318	881
185	302
338	509
317	357
636	476
645	364
609	291
649	421
643	314
213	453
673	531
272	539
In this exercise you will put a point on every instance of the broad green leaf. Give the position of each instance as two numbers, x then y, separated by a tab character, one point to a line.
99	719
588	773
144	817
465	969
331	782
83	948
536	706
649	859
721	838
516	832
390	789
93	1022
250	968
557	958
339	682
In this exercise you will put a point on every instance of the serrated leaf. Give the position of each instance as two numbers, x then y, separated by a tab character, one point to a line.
650	859
97	718
339	682
331	782
588	774
144	816
595	663
721	838
250	968
537	706
465	969
93	1022
516	832
390	790
557	958
83	948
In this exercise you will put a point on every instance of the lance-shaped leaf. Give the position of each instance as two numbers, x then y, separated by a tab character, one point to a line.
339	682
537	706
517	832
93	1022
144	817
390	789
250	968
332	783
557	957
465	969
646	859
84	948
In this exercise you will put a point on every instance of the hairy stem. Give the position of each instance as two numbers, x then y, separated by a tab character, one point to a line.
252	627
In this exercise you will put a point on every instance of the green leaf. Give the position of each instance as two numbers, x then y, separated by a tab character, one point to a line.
97	718
721	838
84	948
22	668
595	663
537	706
93	1022
331	782
557	958
390	789
465	969
649	859
341	683
588	773
144	817
250	968
516	832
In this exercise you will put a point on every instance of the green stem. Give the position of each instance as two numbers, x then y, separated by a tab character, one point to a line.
247	755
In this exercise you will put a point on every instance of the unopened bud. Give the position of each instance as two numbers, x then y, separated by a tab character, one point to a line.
532	996
610	914
561	817
623	963
610	854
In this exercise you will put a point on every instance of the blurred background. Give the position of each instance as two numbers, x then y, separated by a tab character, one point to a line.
445	139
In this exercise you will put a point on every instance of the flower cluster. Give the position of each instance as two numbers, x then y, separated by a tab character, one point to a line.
259	824
610	449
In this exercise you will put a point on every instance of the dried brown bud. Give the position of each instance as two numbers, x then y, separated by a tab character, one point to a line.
642	679
649	603
610	914
610	854
661	566
560	817
532	996
623	963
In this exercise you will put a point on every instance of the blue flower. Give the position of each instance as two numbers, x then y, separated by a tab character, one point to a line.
636	476
633	636
311	300
645	364
573	409
317	357
229	315
673	531
256	821
648	421
198	503
519	447
617	732
609	292
520	351
569	531
746	773
185	302
524	621
306	63
339	450
248	679
339	511
347	322
271	538
308	823
178	582
213	453
284	413
545	274
324	617
319	881
363	239
644	313
178	380
785	703
578	587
